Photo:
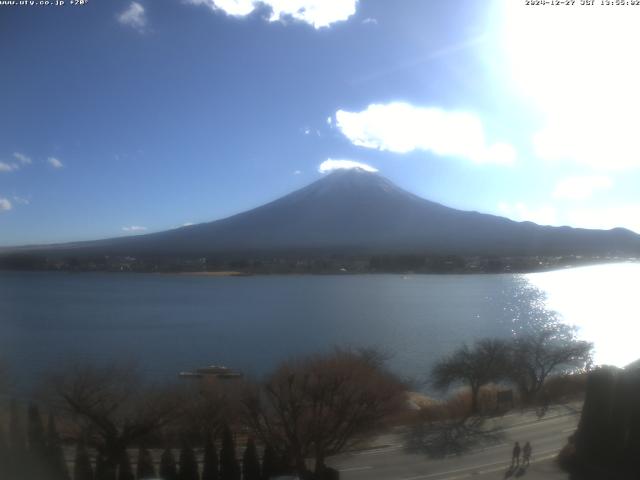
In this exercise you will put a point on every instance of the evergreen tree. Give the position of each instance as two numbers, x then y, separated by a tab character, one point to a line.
17	464
229	468
168	470
16	429
55	453
4	455
285	464
104	469
188	464
250	462
269	463
145	465
37	445
35	430
82	468
210	468
125	472
100	473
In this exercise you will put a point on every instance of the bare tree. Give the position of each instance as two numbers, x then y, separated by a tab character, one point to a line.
113	408
484	362
536	355
5	377
543	345
210	405
321	405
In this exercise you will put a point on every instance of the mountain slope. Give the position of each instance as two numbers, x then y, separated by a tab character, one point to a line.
353	211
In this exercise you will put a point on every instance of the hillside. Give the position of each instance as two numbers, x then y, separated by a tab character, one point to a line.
357	212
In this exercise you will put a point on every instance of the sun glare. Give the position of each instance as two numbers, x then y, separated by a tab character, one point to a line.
602	301
577	66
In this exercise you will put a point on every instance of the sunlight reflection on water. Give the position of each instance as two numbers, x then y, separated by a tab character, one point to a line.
603	302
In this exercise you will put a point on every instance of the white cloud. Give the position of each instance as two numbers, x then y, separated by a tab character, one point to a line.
21	200
331	164
22	158
318	13
402	128
297	172
55	162
185	224
580	188
625	216
8	167
134	16
370	21
543	215
590	116
236	8
5	205
134	228
603	147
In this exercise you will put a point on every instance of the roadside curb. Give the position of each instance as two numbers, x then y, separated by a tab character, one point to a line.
539	420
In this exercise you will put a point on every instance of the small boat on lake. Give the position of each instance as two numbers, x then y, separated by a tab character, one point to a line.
216	371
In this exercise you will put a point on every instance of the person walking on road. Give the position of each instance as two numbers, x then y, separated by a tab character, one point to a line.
515	457
526	453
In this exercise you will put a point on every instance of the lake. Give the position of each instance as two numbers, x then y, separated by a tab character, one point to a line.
170	323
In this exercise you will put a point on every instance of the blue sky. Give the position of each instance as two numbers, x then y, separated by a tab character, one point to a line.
123	117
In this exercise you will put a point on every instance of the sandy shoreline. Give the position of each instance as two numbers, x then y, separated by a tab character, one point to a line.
229	273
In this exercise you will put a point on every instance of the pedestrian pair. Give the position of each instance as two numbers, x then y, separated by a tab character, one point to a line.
526	454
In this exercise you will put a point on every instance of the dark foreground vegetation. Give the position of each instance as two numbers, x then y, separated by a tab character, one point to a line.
107	423
546	365
123	429
607	442
262	264
526	362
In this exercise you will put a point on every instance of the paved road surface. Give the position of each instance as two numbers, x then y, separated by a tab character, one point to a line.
392	461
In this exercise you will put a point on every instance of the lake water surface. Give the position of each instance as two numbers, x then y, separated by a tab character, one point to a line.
170	323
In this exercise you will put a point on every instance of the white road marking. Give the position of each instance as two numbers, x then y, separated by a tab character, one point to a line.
473	470
355	469
491	447
378	451
479	450
482	472
526	425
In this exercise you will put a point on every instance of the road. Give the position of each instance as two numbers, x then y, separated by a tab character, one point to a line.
391	460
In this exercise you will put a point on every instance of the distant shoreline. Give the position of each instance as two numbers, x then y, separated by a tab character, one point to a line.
229	273
297	263
346	272
401	273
